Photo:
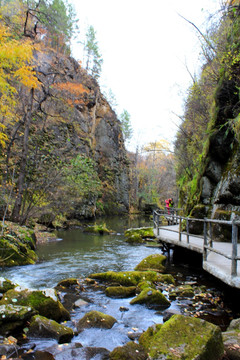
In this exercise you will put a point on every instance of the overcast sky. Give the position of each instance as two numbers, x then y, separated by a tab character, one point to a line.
145	46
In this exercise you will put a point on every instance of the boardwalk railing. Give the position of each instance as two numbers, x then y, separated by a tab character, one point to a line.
208	245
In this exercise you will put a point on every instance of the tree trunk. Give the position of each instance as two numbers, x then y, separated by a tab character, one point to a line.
23	162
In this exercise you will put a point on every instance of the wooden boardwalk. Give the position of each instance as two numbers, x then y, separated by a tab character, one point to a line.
214	262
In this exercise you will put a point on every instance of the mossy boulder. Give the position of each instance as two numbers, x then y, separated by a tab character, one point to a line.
96	319
98	229
153	262
182	291
222	232
68	283
120	291
184	337
44	303
127	278
13	317
144	285
151	298
130	351
6	285
167	278
41	327
135	239
138	235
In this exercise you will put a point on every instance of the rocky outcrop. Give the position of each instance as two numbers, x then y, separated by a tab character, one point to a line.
81	121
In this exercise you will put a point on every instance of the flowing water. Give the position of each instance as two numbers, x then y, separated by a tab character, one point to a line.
78	254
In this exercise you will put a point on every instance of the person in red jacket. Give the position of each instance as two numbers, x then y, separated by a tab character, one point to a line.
167	205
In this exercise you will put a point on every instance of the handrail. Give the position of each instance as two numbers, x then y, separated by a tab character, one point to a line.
174	218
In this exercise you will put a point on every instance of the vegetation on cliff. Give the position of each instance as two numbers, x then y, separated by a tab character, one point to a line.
207	143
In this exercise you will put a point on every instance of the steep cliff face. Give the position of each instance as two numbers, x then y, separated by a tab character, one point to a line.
88	126
71	117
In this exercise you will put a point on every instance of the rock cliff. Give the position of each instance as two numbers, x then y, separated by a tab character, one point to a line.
71	118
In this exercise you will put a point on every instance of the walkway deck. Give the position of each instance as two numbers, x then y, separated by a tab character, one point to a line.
216	264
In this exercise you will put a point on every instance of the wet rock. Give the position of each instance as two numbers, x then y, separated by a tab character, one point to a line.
38	355
68	283
45	302
13	317
135	239
127	278
98	229
96	319
6	285
76	351
231	340
120	291
185	291
138	235
183	337
152	262
144	285
123	308
151	298
167	314
130	351
42	327
8	347
80	303
132	335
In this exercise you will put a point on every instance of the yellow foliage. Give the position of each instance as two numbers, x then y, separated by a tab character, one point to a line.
16	58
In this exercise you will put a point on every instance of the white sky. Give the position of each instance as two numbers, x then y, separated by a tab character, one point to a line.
145	45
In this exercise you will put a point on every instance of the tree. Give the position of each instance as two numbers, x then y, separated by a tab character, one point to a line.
94	60
126	125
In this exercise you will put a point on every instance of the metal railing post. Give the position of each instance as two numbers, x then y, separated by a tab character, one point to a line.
234	248
180	229
158	216
205	240
187	230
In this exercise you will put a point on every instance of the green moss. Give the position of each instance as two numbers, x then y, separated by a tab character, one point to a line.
45	305
17	244
120	291
167	278
151	297
130	351
152	262
66	283
127	278
135	239
185	338
6	285
98	229
96	319
144	285
147	337
144	232
41	327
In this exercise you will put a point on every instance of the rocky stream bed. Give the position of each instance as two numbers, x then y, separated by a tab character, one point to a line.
145	313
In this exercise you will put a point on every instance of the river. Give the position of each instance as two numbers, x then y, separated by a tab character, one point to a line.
78	254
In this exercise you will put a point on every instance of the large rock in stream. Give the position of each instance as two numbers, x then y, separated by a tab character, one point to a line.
13	317
183	337
42	327
45	302
96	319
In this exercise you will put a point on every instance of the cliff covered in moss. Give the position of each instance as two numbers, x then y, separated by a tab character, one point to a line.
207	146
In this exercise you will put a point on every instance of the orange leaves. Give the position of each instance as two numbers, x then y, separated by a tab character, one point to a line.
75	93
73	88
